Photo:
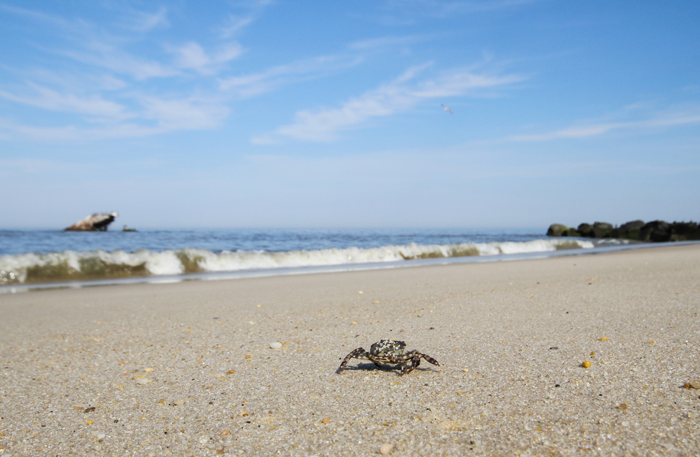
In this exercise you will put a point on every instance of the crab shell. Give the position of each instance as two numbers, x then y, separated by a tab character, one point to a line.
387	348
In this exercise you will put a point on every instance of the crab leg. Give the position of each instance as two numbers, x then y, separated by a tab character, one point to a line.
431	360
358	353
412	365
415	362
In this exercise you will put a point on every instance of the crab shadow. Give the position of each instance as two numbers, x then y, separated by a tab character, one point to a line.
382	367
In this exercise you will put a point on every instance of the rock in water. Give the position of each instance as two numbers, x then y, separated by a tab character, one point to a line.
656	231
94	223
557	230
601	229
585	230
684	231
628	230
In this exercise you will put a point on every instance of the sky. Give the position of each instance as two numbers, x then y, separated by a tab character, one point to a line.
278	113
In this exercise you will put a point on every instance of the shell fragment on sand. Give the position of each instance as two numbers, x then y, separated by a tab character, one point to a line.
386	448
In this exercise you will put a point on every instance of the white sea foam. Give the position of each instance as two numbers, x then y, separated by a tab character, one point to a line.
71	265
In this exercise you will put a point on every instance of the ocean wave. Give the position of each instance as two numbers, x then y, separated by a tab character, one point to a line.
97	265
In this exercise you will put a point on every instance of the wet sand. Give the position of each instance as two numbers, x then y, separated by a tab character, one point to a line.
187	368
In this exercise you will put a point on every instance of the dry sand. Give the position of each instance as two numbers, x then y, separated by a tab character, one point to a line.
187	369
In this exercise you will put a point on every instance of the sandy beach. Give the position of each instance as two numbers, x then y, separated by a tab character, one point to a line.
187	368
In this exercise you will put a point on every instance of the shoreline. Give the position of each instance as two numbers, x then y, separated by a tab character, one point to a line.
187	368
322	269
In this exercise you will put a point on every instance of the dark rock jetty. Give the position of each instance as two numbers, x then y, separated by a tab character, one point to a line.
656	231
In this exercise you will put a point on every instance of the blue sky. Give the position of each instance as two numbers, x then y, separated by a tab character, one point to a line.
273	113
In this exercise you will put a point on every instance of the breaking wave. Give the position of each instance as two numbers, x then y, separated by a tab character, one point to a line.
99	265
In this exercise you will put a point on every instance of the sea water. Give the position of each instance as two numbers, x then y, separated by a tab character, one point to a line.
36	257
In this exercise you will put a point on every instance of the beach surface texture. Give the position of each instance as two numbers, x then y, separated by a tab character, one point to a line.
578	355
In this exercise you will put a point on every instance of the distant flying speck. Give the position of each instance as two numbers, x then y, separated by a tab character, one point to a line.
447	108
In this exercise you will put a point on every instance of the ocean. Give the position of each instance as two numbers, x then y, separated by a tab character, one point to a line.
32	259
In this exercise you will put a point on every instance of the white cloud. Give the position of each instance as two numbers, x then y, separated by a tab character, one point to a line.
192	56
570	132
149	115
89	44
167	116
37	16
385	42
69	132
143	22
395	97
674	119
97	46
652	121
112	58
322	125
235	24
109	82
106	95
263	140
183	114
280	75
441	8
49	99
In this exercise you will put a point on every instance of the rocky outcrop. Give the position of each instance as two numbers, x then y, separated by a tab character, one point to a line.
629	230
654	231
685	231
597	230
663	231
94	223
585	230
602	229
557	230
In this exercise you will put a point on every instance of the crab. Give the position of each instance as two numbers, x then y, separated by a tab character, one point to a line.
390	351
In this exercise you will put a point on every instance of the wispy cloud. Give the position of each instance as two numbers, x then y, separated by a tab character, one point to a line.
281	75
192	56
438	8
155	116
13	130
237	22
49	99
139	115
387	41
106	47
183	113
657	120
37	16
407	12
570	132
102	85
143	21
115	59
397	96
